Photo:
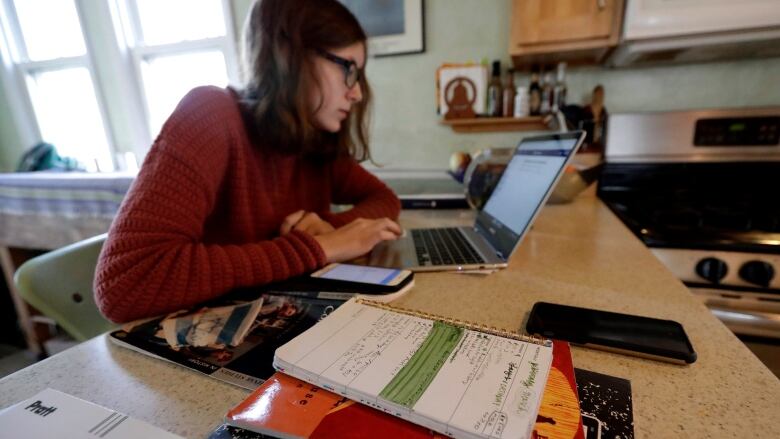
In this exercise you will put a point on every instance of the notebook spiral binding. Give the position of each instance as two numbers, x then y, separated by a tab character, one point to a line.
459	323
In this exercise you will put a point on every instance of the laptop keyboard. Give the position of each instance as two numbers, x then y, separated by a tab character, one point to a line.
443	246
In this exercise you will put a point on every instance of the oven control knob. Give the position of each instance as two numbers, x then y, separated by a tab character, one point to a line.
757	272
712	269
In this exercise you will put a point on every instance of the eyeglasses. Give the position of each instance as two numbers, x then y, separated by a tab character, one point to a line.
352	73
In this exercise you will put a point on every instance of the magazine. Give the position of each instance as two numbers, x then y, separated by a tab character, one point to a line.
247	365
225	431
605	402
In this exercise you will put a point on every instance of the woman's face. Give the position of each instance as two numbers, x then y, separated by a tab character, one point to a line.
333	100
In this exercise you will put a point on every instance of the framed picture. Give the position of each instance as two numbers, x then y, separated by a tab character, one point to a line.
394	27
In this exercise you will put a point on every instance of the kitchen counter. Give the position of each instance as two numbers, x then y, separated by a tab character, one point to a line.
579	254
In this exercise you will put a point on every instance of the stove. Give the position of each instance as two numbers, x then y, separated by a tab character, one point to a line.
702	190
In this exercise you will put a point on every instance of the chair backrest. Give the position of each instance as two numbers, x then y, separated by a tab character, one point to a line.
59	285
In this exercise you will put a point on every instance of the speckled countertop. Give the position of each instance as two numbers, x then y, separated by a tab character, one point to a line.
578	254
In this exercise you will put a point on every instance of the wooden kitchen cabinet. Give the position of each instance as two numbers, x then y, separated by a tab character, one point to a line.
577	31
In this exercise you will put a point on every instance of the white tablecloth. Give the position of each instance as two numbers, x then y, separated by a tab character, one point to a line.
42	210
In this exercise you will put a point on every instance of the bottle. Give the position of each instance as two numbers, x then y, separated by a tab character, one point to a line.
535	94
596	114
494	95
559	90
508	98
522	102
547	94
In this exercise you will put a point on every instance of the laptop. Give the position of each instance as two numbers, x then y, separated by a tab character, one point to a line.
519	195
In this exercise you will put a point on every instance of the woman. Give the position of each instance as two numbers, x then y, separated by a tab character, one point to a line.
237	188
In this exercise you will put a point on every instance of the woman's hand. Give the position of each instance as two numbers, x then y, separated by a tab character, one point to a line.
357	238
303	221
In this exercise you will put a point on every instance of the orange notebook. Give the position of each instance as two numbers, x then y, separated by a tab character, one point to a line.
559	415
287	407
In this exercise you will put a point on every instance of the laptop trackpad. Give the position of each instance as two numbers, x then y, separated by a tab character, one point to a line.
393	254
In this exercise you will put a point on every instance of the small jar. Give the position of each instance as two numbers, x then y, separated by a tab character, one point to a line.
522	102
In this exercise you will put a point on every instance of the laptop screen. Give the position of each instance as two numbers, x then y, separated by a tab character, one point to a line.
523	188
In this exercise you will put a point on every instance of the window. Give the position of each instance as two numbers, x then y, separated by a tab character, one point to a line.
174	59
98	78
48	55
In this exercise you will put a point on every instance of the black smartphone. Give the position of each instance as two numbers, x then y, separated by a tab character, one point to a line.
657	339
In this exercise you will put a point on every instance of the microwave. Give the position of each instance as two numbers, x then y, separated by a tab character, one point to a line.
697	30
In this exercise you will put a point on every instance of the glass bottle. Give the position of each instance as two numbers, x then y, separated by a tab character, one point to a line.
534	94
547	94
559	90
494	91
508	98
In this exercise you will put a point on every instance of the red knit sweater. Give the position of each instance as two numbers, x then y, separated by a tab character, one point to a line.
203	215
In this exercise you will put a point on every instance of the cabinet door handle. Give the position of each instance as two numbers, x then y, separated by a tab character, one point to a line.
601	4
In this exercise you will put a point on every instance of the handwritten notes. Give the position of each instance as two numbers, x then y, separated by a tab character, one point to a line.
455	381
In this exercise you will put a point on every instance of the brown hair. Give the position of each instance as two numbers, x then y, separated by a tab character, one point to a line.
281	38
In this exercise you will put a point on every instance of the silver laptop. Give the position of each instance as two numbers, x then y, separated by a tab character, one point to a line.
524	187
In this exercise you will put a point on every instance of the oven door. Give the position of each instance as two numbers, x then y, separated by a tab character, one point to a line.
744	313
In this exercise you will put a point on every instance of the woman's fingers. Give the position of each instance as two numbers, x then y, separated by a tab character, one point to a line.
290	221
358	238
386	235
383	229
393	226
375	224
312	224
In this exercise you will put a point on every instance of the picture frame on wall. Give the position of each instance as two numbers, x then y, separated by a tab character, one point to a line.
394	27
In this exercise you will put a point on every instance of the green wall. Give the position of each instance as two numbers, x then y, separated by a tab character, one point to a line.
406	132
406	128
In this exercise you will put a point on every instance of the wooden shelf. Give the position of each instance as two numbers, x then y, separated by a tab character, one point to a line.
487	124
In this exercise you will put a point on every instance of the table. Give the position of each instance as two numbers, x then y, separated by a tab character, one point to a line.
579	254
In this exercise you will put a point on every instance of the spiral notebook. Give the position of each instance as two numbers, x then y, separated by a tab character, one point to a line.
454	377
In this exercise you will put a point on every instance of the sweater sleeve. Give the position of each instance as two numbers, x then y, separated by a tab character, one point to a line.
369	196
154	260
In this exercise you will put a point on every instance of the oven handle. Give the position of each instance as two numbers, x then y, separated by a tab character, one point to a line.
749	322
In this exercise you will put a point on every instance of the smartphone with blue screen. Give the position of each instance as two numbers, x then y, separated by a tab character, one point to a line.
371	278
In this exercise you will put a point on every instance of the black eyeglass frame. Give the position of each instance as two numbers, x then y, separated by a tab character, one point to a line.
347	65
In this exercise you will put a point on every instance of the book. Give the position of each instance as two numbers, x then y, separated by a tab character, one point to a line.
606	405
559	414
287	407
225	431
247	365
52	414
456	378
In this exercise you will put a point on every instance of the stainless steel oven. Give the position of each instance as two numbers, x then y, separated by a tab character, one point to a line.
702	190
